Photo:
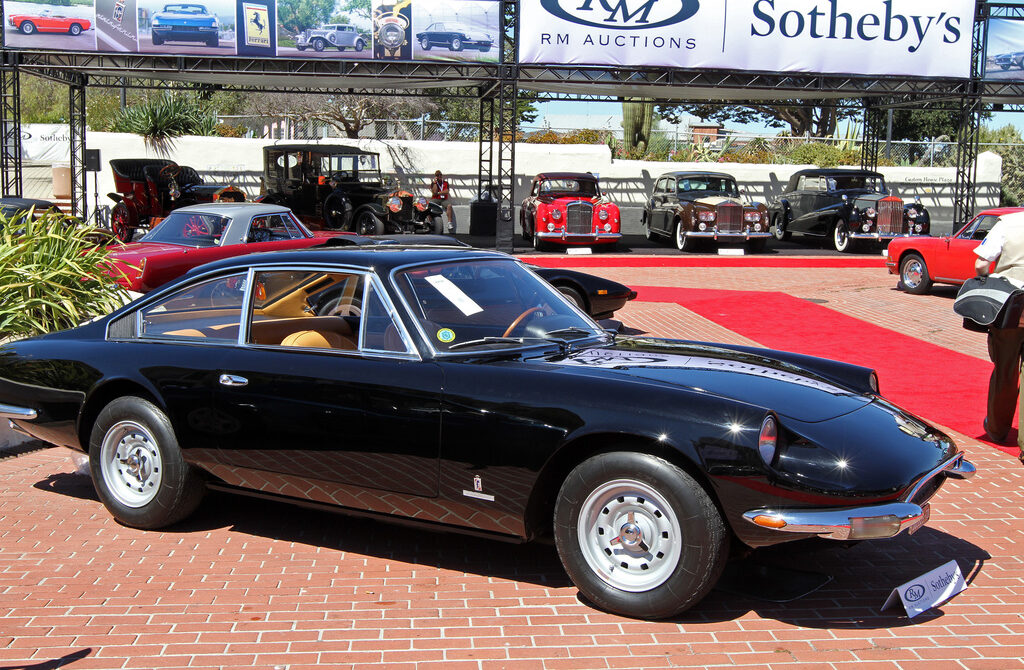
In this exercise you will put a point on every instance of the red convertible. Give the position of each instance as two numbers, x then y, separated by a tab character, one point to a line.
568	208
48	22
922	261
198	234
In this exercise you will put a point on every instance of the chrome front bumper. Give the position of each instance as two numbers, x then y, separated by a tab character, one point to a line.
577	237
15	412
868	521
742	235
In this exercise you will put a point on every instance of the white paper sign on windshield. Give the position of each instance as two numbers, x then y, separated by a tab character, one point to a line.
455	296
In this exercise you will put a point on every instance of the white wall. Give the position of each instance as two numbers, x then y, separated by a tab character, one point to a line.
239	161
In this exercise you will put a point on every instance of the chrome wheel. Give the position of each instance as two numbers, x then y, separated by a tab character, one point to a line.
914	277
629	535
131	465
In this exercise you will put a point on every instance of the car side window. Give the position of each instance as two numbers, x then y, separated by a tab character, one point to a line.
983	225
380	332
309	309
208	311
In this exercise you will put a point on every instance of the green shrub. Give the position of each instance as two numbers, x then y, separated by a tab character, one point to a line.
823	155
161	120
50	271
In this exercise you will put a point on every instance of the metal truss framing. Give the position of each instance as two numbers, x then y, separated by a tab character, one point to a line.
10	131
76	121
872	134
964	197
485	164
508	114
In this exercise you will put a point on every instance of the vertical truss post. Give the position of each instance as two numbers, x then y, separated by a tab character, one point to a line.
508	103
76	121
873	120
967	136
485	166
10	126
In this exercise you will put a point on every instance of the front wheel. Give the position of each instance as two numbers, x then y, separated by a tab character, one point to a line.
368	224
575	297
841	240
27	27
914	277
319	44
638	535
425	44
538	243
137	467
360	45
456	44
683	241
436	225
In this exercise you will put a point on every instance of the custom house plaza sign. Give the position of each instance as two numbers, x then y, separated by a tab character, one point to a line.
920	38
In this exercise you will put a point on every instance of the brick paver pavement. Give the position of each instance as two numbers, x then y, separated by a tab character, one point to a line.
257	584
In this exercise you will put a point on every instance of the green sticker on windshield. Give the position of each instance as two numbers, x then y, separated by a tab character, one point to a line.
446	335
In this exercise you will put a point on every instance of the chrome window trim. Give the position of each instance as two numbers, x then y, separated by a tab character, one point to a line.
392	312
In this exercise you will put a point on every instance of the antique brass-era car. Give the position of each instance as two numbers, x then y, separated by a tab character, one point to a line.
687	207
846	207
149	188
456	389
341	188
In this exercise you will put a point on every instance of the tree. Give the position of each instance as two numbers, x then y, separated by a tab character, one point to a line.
451	108
347	113
804	117
299	15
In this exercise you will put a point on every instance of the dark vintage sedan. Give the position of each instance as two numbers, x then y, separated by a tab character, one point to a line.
845	207
689	207
456	389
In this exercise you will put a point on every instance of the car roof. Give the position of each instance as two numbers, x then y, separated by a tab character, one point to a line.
565	175
234	208
1000	211
696	173
382	258
323	148
835	172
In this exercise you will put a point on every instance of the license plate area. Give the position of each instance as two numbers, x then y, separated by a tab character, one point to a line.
927	514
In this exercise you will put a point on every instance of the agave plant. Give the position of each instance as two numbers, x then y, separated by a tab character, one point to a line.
161	120
53	275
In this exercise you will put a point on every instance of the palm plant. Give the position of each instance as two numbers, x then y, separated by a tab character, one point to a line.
53	274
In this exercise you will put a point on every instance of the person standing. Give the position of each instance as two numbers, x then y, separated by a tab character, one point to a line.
1004	246
441	194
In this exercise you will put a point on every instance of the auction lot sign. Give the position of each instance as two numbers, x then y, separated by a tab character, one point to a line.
920	38
450	30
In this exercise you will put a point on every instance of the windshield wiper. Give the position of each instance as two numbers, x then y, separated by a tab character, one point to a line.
486	340
571	330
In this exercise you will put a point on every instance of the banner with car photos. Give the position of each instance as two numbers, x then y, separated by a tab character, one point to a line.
1004	50
920	38
464	30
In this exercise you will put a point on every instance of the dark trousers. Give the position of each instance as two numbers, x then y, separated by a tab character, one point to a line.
1004	348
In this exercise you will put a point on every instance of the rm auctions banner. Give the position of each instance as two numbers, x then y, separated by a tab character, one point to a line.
920	38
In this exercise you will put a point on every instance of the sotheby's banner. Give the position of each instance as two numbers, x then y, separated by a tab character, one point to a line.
921	38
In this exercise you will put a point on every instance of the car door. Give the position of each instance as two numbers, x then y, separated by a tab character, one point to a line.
272	232
956	261
667	205
802	202
327	392
654	202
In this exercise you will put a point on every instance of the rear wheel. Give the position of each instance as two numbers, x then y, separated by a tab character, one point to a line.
575	296
638	535
914	277
157	40
137	467
779	228
213	41
75	29
122	222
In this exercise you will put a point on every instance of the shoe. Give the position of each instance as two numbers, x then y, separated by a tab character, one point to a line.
451	230
991	436
1020	457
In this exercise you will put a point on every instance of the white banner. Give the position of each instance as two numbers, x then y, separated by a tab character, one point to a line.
920	38
46	142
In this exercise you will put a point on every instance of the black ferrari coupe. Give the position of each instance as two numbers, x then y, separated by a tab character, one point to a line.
455	388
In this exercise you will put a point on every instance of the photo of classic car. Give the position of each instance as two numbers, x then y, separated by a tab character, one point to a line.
341	36
922	261
568	208
341	188
198	234
1007	60
185	22
690	207
48	21
150	188
453	37
845	207
472	396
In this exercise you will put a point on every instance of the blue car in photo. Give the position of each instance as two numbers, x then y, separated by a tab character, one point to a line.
185	22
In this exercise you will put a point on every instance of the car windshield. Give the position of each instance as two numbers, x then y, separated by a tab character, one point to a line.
491	304
703	184
856	182
192	229
569	186
185	9
349	167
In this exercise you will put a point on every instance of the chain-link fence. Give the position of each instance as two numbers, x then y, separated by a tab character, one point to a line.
285	128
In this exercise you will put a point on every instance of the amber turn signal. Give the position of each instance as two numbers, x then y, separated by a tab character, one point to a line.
769	521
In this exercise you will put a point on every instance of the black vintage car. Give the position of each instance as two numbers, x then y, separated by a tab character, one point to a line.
845	207
456	389
454	37
341	188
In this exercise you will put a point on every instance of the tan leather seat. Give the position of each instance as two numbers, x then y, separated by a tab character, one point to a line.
317	339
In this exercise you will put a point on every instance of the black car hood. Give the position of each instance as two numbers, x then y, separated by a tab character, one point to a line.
761	381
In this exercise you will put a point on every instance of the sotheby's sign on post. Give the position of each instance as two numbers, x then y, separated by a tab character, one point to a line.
924	38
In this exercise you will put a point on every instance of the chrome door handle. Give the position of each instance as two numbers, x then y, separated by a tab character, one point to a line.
233	380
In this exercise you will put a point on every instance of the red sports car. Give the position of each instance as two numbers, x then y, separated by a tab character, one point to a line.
48	22
568	208
199	234
922	261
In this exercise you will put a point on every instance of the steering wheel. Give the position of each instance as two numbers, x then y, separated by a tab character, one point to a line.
196	227
519	319
341	175
170	171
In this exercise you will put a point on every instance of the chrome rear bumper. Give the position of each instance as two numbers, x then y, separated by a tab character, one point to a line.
15	412
867	521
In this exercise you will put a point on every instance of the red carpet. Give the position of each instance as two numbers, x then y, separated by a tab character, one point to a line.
703	262
933	382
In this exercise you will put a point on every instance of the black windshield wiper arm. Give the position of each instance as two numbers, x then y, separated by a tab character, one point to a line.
571	330
486	340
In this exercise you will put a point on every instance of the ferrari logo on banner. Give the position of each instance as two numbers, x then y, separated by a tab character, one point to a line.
257	24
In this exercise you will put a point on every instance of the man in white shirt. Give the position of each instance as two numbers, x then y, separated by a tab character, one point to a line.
1004	246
